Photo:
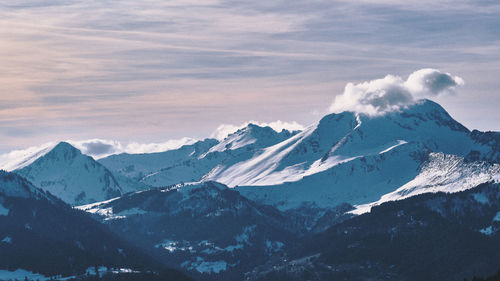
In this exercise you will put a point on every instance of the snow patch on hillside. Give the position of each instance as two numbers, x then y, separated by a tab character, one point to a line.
7	239
441	173
3	210
203	266
400	142
173	246
20	274
487	230
497	217
108	213
93	206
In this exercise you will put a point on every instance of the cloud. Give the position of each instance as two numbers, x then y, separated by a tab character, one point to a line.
94	68
430	82
225	129
23	157
136	147
97	148
391	93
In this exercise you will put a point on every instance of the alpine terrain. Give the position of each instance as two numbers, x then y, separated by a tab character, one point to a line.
410	194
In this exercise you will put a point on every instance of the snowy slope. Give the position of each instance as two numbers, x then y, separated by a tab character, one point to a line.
286	161
349	158
338	138
251	134
343	158
137	166
191	162
356	181
68	174
21	159
441	173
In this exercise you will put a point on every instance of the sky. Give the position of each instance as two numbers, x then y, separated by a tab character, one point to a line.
151	72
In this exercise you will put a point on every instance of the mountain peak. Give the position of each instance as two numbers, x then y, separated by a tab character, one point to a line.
63	150
252	125
426	110
252	134
72	176
426	106
425	122
429	104
65	146
254	129
333	120
259	131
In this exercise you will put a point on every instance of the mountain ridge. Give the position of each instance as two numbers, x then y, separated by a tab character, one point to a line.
265	164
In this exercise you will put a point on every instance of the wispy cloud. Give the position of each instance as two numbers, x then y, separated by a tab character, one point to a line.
154	70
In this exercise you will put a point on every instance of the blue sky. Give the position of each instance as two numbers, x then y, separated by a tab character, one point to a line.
150	71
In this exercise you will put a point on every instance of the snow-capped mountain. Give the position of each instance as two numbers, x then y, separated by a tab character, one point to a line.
344	158
75	178
340	138
140	166
253	135
349	158
227	210
191	162
43	236
357	181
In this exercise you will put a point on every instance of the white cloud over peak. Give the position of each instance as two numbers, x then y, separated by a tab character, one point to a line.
391	93
225	129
